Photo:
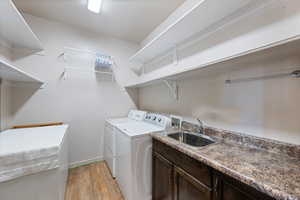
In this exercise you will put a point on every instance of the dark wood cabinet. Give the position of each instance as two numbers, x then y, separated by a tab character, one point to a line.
177	176
189	188
162	178
231	189
229	192
196	169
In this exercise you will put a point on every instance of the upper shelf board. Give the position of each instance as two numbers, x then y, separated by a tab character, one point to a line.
199	20
11	73
14	29
288	46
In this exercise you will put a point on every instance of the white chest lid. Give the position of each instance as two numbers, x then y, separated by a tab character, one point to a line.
30	150
29	139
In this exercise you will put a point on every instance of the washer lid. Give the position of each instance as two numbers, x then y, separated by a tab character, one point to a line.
139	128
117	121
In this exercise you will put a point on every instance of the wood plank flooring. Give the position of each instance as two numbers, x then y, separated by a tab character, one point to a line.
92	182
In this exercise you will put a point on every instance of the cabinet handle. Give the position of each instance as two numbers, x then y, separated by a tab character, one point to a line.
216	188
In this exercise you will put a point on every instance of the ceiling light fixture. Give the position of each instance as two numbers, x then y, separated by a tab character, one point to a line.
95	5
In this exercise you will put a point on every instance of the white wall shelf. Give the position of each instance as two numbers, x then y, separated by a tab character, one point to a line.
204	17
279	24
14	30
169	74
12	74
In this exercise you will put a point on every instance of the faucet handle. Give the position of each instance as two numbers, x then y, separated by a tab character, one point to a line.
201	124
200	121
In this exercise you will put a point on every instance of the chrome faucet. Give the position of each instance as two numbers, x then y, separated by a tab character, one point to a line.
201	125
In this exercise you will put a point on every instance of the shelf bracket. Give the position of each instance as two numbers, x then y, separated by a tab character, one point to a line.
64	74
175	55
173	87
42	86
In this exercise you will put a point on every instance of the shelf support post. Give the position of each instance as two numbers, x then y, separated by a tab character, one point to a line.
173	87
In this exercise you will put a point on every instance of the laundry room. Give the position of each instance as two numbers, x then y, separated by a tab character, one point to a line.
149	100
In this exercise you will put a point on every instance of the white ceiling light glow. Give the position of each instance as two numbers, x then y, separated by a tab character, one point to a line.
95	5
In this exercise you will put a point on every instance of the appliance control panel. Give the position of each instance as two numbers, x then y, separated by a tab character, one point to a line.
157	119
137	115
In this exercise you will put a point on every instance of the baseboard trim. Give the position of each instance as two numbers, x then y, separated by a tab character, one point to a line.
85	162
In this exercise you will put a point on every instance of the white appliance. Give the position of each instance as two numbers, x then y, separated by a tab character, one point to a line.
110	136
34	163
134	156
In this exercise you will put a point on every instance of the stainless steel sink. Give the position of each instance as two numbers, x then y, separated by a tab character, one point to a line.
193	139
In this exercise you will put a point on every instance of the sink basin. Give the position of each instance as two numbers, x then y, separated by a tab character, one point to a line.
193	139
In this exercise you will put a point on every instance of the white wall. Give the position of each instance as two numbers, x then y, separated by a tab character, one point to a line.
5	105
175	16
268	108
5	112
81	100
5	50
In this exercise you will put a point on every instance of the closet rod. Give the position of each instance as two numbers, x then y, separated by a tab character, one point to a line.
294	74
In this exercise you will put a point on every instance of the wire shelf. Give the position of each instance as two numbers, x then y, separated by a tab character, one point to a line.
84	61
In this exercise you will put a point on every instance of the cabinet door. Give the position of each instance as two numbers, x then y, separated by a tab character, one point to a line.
230	192
189	188
163	181
229	189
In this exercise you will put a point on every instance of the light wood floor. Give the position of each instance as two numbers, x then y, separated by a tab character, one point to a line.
92	182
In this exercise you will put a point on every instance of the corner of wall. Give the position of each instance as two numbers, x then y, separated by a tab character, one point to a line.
5	105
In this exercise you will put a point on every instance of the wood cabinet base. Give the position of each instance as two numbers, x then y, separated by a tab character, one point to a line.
177	176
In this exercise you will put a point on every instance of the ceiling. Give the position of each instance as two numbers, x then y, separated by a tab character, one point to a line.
130	20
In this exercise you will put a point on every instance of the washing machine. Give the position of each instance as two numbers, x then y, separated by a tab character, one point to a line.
134	155
110	136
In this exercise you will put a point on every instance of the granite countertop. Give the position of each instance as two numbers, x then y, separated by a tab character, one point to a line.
273	173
